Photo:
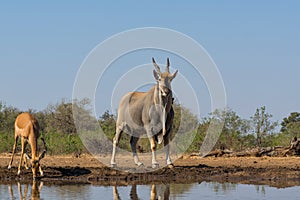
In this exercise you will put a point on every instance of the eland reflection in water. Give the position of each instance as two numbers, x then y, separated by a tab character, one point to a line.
35	190
158	192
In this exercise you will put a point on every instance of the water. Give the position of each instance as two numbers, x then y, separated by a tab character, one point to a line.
203	191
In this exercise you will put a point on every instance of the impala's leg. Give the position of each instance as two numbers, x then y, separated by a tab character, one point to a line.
25	191
167	146
115	143
13	152
22	154
41	186
11	192
20	190
133	141
41	171
26	158
153	192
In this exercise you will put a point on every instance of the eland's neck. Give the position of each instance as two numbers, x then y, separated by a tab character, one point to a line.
165	101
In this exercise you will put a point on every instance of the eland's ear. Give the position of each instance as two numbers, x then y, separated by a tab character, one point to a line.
174	75
155	74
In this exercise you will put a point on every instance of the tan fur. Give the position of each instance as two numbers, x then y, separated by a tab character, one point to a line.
27	128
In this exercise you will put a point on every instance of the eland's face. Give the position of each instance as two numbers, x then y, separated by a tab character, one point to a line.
164	82
163	79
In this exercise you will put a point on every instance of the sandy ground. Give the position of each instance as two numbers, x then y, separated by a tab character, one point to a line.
274	171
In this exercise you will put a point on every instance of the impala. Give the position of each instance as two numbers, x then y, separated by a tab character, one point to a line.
27	128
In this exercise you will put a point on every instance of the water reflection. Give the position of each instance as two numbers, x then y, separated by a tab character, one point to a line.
161	192
35	190
226	188
203	190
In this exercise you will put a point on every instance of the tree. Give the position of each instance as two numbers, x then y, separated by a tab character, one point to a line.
233	130
60	118
184	119
108	124
262	125
83	116
8	116
291	125
184	133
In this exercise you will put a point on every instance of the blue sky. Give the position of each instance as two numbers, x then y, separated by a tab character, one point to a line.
255	45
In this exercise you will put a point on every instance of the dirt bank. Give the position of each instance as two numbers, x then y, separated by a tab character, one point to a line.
273	171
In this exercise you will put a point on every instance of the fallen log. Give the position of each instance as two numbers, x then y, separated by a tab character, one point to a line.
277	151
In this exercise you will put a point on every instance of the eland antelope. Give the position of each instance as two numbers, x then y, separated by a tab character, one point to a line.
149	113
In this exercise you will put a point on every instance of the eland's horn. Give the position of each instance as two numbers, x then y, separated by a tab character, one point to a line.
168	65
156	66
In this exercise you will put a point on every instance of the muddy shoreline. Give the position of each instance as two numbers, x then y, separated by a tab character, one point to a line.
276	172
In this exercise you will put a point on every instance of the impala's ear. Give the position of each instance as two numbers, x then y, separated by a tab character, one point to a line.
44	151
174	75
155	74
27	156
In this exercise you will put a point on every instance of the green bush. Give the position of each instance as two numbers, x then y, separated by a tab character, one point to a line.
6	142
56	143
59	143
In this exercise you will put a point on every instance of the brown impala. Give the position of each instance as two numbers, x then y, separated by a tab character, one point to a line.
27	128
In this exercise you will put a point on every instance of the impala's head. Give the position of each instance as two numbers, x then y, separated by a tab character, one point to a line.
35	162
163	78
35	165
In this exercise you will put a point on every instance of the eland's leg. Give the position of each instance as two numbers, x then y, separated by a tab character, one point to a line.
116	193
13	152
115	143
133	192
167	147
153	149
151	137
133	141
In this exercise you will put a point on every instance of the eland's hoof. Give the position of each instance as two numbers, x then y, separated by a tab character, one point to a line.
19	172
140	164
9	167
155	166
170	166
113	165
